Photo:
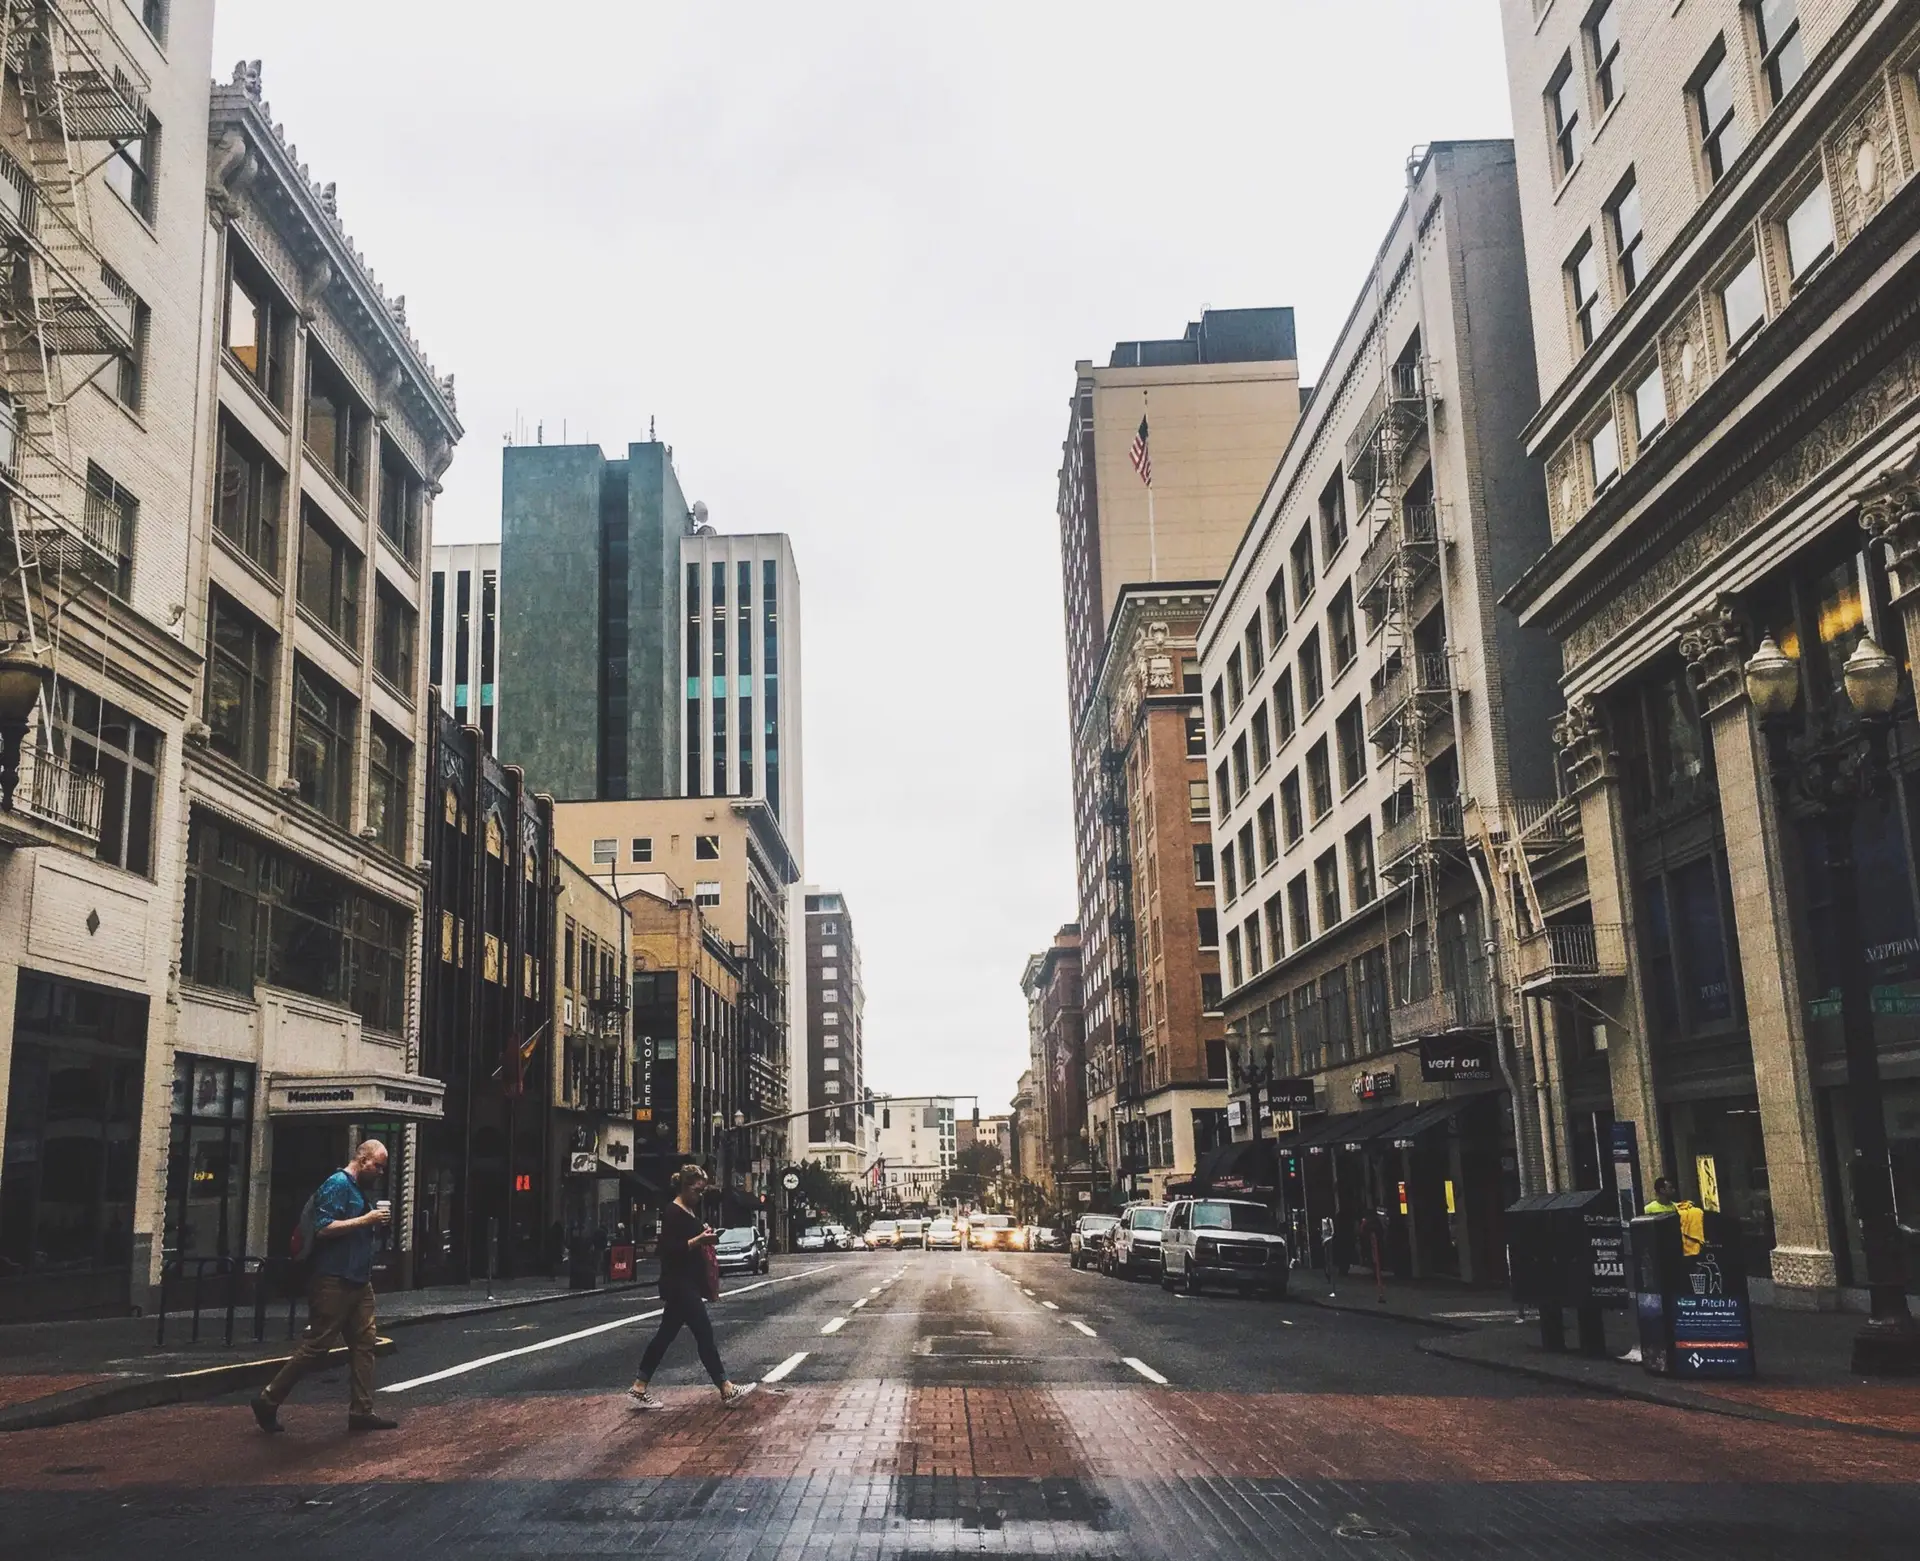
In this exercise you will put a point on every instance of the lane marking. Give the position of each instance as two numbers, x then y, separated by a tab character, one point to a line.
859	1303
835	1326
785	1368
1025	1290
1143	1368
1076	1323
569	1338
1051	1306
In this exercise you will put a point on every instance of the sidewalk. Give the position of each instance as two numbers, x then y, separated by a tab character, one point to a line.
52	1373
1802	1356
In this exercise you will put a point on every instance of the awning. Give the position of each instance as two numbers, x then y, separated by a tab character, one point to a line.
1246	1166
1434	1114
370	1096
1355	1128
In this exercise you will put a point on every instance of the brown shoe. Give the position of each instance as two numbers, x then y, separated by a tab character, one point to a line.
371	1423
267	1414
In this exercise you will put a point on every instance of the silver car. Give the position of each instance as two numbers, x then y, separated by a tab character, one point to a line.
1222	1241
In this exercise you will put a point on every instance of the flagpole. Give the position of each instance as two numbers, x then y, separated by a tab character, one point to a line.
1153	536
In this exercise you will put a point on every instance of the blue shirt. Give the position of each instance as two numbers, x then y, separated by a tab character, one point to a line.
348	1256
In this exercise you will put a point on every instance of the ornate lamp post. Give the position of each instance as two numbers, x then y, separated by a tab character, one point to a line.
24	679
1826	764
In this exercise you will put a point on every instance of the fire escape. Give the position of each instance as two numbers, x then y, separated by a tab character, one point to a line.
1123	961
65	319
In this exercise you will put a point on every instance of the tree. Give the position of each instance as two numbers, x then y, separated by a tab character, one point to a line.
820	1189
976	1169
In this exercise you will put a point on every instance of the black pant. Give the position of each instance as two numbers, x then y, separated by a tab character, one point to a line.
686	1307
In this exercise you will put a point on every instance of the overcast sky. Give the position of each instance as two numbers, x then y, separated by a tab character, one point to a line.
847	255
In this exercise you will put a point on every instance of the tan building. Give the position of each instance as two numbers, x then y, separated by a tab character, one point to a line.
1724	259
732	855
592	1085
1220	404
1158	1112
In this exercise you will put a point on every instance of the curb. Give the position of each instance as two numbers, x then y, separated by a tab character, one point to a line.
1648	1395
481	1308
183	1387
1447	1325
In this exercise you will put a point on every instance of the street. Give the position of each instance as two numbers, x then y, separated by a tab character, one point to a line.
919	1404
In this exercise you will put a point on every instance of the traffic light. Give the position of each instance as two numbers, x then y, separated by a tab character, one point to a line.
886	1116
976	1113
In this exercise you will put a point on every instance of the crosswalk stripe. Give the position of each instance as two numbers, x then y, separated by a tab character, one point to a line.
1144	1369
785	1368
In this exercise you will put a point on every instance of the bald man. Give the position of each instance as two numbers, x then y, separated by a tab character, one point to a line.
346	1227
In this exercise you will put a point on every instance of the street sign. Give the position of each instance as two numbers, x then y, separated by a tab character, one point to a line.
1458	1059
791	1181
1290	1095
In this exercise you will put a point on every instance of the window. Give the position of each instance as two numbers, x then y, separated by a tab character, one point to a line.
1189	676
1333	513
706	848
1262	741
1248	872
1353	747
1219	699
1313	682
1223	783
1809	228
329	578
389	774
322	762
1776	26
1629	235
1563	116
1256	649
1236	681
402	502
1277	926
1269	835
1277	610
642	849
1583	281
1303	576
1326	872
153	16
1743	305
1649	406
1342	641
1196	736
708	894
1360	881
1603	36
337	424
1239	767
129	381
1203	864
239	698
1319	779
112	517
395	626
208	1163
100	739
1283	716
1210	994
1250	935
1209	922
1290	814
1197	807
248	506
1603	454
1721	138
1235	974
1229	874
259	327
131	169
1300	911
605	852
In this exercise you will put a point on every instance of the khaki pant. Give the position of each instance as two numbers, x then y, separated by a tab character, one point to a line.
335	1309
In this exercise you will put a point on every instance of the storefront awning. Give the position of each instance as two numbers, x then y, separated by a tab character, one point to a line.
1435	1114
370	1096
1357	1128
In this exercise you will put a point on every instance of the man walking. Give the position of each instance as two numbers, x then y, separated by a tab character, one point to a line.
340	1295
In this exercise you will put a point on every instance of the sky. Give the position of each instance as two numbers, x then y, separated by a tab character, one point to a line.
844	256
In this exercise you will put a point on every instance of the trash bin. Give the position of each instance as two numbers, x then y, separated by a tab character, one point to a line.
1693	1311
620	1261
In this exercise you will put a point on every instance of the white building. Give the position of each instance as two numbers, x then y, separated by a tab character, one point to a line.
910	1149
463	634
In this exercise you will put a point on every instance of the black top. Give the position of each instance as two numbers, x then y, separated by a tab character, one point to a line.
678	1261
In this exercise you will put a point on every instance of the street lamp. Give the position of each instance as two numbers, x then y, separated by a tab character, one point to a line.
1824	767
24	679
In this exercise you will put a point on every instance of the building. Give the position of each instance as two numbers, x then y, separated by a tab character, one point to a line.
1026	1135
1052	985
912	1146
1156	1110
481	1174
993	1133
1376	721
733	854
463	633
831	1071
104	433
1219	405
689	1064
1726	301
592	1169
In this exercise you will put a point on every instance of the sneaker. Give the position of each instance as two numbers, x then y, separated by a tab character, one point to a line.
639	1399
732	1400
267	1415
371	1423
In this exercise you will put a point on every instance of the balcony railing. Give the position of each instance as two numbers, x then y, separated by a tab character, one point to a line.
1468	1006
1439	824
1410	534
1423	675
56	793
1570	954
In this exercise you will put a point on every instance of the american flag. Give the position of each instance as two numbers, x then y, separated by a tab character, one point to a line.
1142	461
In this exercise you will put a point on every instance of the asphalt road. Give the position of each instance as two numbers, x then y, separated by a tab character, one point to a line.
927	1404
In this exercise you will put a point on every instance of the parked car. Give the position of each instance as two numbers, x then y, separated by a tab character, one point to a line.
742	1250
1133	1249
944	1234
1049	1238
883	1235
1089	1239
1222	1241
839	1238
996	1232
911	1233
859	1243
813	1239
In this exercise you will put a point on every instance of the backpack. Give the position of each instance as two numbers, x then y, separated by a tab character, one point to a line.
301	1244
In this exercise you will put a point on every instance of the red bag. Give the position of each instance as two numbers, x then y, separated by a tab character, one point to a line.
711	1286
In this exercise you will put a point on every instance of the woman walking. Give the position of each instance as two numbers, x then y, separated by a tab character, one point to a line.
685	1240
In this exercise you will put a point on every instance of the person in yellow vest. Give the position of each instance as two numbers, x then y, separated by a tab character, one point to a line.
1693	1221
